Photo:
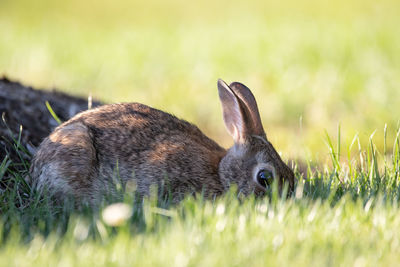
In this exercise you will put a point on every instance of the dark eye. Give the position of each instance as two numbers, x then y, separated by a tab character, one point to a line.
265	178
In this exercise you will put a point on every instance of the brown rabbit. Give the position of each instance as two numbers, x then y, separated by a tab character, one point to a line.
83	156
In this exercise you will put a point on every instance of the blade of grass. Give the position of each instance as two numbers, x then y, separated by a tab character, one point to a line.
53	114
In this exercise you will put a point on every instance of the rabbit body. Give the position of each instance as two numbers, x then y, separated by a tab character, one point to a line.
84	156
127	141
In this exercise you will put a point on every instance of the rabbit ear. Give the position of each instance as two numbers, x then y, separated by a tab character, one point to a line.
249	107
240	111
233	117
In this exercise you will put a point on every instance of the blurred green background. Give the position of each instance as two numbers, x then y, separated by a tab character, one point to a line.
311	64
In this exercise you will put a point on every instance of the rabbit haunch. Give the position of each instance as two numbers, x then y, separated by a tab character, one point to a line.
131	141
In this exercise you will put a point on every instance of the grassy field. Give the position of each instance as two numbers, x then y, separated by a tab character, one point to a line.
313	65
344	216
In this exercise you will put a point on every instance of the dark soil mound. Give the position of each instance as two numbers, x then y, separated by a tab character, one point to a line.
25	117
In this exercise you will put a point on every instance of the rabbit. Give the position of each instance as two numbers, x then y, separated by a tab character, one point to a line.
83	156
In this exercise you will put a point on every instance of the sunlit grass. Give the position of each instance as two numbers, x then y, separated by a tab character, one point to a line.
326	76
311	64
296	232
346	214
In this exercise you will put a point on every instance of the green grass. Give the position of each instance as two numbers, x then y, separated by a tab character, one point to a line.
343	215
296	232
316	67
311	64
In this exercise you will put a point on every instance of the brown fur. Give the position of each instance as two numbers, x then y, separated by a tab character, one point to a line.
131	141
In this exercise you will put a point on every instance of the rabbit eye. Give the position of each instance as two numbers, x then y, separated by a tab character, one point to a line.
265	178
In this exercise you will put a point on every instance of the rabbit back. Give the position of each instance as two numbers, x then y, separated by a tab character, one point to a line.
84	156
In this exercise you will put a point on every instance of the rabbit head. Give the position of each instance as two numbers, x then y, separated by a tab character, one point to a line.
252	163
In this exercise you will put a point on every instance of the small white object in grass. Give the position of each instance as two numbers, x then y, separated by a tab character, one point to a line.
117	214
220	209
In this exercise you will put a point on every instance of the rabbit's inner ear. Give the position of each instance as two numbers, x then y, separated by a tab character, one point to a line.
249	107
233	115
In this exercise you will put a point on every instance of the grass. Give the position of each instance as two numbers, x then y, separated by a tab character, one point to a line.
347	214
325	75
311	64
